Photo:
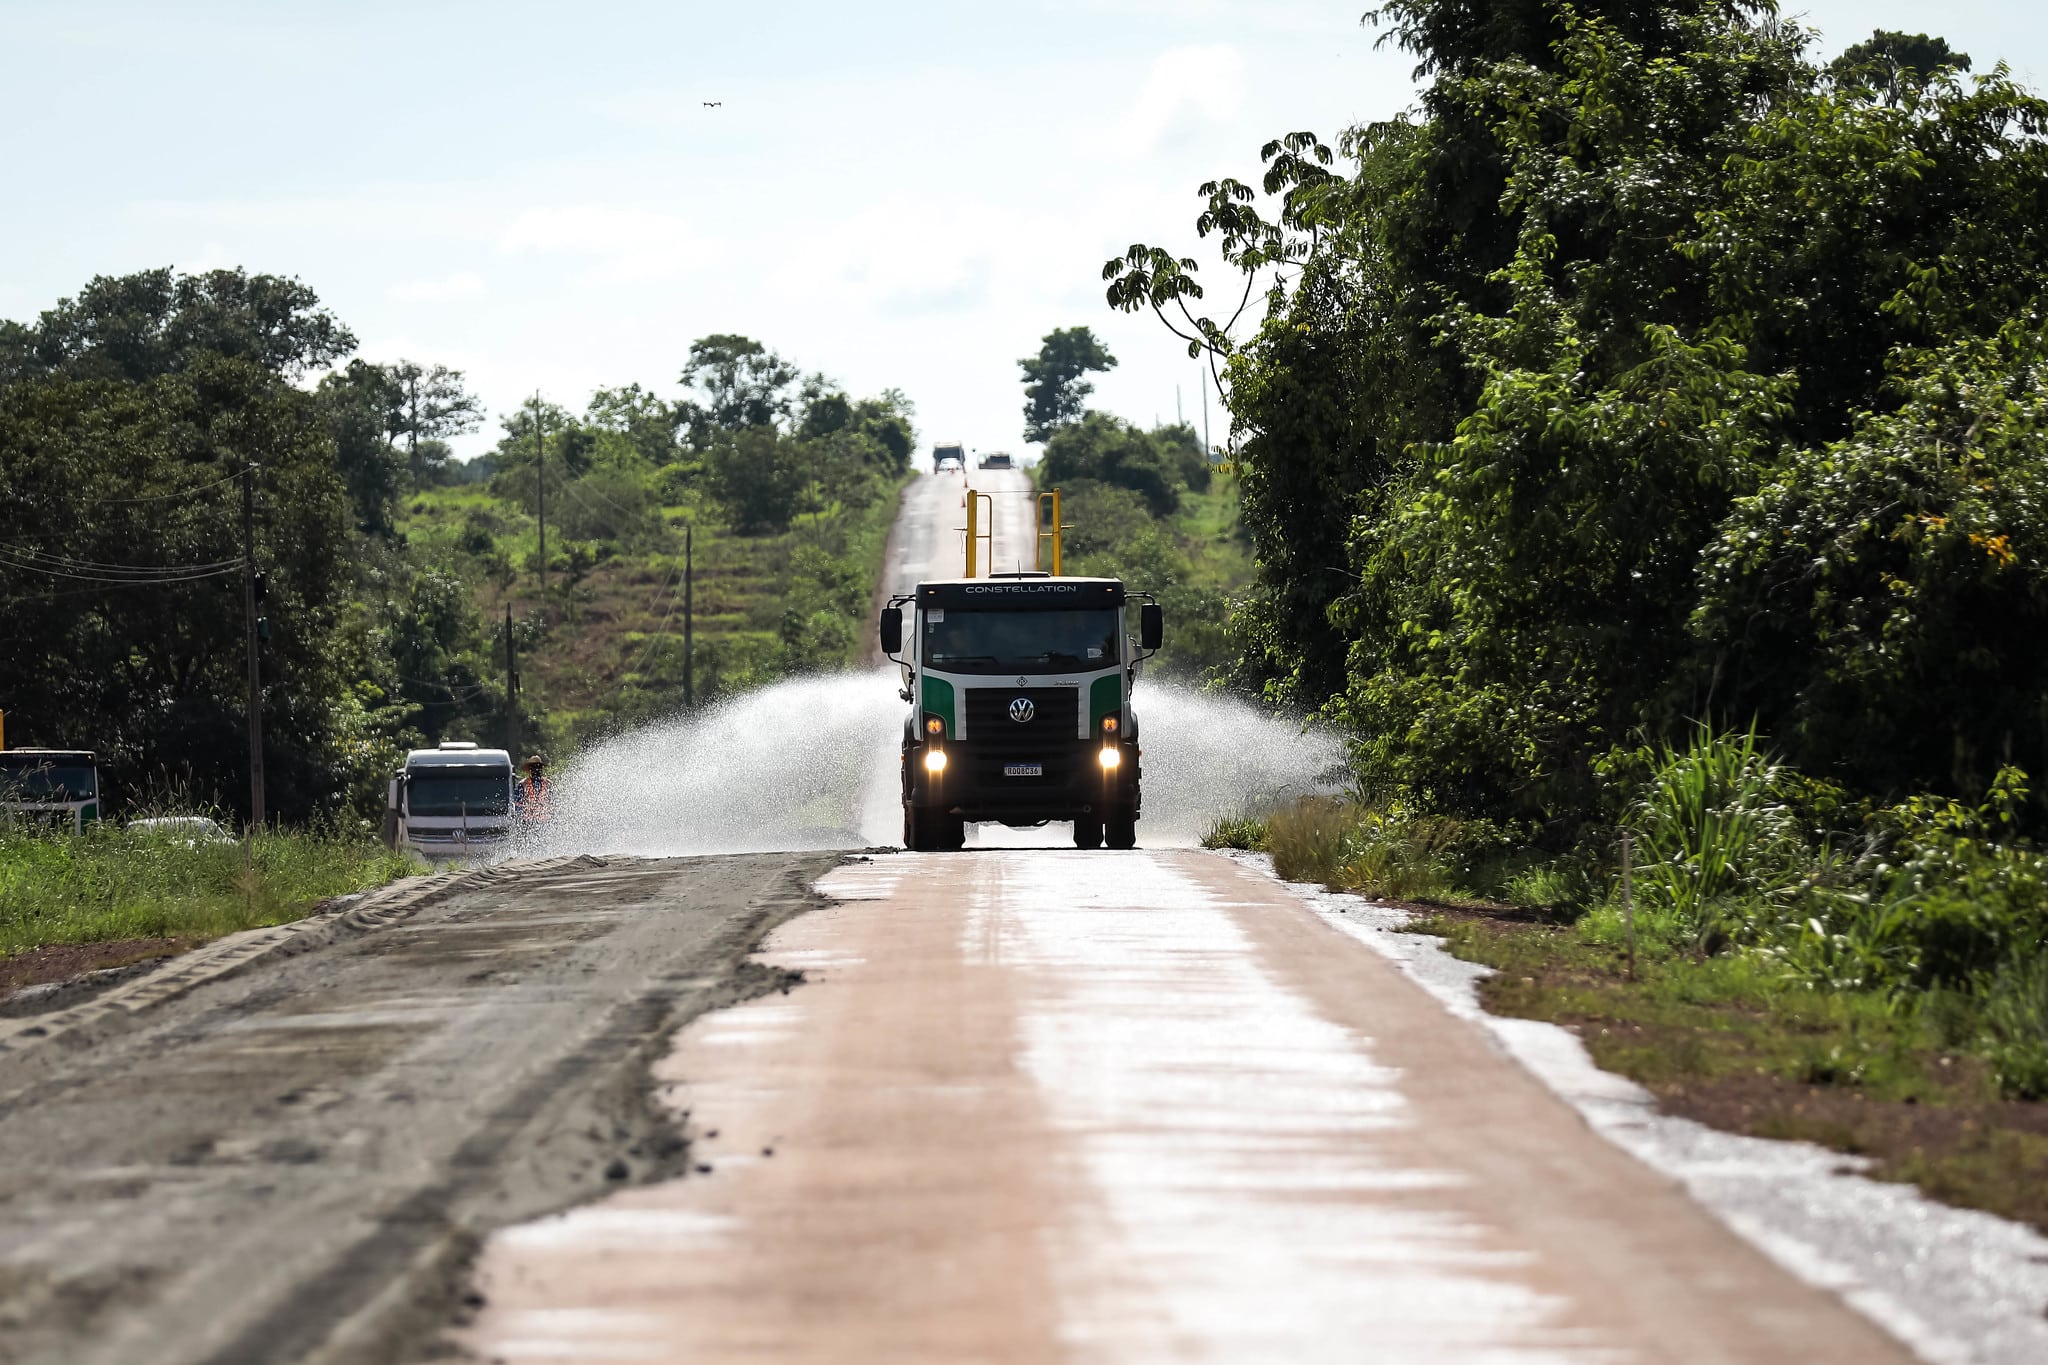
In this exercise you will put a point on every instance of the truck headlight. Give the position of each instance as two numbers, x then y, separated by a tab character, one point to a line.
934	726
1110	757
935	760
1109	725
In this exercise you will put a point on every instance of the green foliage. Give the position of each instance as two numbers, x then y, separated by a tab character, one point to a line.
1055	388
1648	374
1236	831
1193	560
107	885
1158	465
1711	828
1390	850
391	578
136	466
740	384
1892	64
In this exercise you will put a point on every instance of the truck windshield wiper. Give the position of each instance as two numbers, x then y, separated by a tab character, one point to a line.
939	659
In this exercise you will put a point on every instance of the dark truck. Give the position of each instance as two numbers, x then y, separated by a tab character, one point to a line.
1020	705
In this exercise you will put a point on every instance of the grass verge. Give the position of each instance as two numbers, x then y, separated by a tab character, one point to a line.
1725	1041
1883	995
154	896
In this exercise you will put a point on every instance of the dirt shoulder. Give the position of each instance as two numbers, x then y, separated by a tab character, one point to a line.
295	1162
1718	1042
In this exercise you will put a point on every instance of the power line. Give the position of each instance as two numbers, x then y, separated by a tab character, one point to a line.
162	497
30	558
117	576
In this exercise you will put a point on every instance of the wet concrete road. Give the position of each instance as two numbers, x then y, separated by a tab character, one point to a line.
294	1162
1063	1106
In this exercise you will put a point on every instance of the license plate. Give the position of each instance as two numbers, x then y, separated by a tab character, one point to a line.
1023	770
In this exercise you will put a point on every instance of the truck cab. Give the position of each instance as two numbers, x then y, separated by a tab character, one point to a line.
453	801
50	787
1020	705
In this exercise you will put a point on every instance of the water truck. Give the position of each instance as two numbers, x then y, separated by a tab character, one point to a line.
1019	687
952	453
454	801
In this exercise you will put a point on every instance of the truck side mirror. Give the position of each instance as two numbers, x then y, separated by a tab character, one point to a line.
892	630
1151	626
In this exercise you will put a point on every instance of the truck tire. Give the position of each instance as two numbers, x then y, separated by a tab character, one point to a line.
1120	828
1087	832
914	836
952	832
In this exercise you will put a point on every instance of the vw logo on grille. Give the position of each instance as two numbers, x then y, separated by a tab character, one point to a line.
1021	710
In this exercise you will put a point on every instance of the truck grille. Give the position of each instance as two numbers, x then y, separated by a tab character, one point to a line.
1051	738
1057	715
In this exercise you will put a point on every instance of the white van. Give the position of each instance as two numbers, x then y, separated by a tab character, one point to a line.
454	801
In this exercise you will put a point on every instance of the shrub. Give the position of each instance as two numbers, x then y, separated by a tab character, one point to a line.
1714	835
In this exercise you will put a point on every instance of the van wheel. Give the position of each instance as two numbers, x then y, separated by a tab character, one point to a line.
1087	832
1120	829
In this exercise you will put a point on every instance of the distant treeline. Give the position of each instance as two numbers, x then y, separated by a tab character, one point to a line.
127	415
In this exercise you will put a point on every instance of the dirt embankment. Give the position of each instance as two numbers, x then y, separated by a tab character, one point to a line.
294	1162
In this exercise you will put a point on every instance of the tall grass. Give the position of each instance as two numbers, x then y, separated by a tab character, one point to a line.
106	884
1714	834
1382	850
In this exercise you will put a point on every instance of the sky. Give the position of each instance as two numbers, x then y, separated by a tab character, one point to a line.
898	195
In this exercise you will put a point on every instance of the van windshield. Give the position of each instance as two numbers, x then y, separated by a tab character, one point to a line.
34	780
451	791
968	641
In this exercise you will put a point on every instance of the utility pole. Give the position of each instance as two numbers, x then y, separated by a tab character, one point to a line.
1178	420
1208	450
540	473
249	632
511	689
689	620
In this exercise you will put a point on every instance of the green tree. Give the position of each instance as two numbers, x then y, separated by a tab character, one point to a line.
432	406
362	401
1055	387
1532	433
1892	64
1158	466
644	419
739	384
126	416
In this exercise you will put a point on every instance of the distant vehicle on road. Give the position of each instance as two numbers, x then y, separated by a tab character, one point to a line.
996	459
186	831
452	801
949	453
50	787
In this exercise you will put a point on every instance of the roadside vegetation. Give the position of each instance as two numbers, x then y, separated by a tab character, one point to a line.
1781	960
127	895
1150	507
386	569
1643	436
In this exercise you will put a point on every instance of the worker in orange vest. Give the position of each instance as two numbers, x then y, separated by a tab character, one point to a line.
531	792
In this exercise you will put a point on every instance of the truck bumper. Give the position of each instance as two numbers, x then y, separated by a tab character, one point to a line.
977	786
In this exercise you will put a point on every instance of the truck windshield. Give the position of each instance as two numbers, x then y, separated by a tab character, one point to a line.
958	641
451	791
44	781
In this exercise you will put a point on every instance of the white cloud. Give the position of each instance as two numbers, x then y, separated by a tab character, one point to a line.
462	284
629	243
1187	89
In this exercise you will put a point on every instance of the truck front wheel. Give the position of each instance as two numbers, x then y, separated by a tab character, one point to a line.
1120	828
1087	832
930	831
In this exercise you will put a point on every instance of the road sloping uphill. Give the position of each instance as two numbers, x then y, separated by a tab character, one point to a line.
294	1161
